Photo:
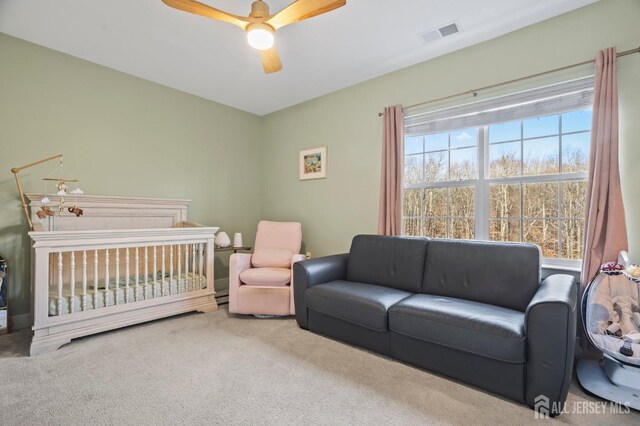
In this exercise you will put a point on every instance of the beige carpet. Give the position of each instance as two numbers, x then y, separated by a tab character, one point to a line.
222	369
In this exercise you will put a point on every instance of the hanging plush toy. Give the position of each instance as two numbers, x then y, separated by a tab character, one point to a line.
3	283
44	212
76	210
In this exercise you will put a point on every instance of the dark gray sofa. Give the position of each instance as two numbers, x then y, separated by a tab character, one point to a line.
472	310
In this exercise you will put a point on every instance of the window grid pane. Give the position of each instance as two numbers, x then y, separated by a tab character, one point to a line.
541	165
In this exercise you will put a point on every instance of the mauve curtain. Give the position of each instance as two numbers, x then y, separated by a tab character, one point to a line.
605	228
390	214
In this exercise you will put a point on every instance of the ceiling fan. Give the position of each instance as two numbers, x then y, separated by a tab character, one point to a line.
260	25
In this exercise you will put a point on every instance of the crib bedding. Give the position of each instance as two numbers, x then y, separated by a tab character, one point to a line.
145	292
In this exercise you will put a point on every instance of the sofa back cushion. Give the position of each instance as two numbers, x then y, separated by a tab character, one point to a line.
501	274
394	262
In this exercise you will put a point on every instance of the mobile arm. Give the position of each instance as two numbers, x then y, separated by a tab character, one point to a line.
15	172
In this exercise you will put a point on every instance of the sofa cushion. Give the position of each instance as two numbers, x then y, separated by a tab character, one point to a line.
477	328
358	303
395	262
502	274
271	258
266	276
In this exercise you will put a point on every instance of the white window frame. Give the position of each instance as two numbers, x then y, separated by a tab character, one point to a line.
483	182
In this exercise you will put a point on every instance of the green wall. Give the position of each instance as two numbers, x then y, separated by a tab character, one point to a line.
121	136
346	203
125	136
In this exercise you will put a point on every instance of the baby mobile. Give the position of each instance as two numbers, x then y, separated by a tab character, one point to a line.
63	190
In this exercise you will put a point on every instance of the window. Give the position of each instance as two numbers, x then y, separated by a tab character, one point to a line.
439	196
518	180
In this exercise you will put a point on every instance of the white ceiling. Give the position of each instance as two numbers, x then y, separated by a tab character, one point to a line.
211	59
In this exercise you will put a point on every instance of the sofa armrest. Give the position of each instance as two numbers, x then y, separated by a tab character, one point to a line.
238	262
297	258
313	272
550	329
294	259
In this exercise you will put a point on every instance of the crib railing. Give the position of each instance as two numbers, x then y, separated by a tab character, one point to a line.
96	270
87	274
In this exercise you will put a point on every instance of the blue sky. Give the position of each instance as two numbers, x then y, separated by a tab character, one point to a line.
544	145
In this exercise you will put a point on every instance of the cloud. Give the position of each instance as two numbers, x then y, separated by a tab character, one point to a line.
464	136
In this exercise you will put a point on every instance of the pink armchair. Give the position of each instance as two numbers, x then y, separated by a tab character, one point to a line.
262	283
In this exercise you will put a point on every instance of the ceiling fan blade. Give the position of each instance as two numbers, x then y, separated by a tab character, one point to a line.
303	9
270	61
201	9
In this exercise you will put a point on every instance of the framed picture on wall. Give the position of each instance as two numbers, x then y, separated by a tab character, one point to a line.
313	163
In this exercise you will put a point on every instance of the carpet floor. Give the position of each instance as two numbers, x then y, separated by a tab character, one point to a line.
219	368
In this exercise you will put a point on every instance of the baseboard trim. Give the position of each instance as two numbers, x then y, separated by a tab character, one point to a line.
222	297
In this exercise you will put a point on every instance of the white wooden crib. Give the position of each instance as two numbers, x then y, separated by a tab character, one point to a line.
124	261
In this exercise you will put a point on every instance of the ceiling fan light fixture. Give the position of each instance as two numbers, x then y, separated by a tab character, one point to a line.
260	36
261	25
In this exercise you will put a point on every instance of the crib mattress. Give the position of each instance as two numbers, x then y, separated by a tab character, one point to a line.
107	297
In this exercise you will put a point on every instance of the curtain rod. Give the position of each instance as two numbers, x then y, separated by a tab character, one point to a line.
474	92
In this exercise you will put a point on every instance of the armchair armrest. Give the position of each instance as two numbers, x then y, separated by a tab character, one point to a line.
238	262
313	272
550	330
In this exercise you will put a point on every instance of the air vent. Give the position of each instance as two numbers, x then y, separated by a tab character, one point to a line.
448	30
438	33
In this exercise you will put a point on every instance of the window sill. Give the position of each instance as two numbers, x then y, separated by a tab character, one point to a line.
564	268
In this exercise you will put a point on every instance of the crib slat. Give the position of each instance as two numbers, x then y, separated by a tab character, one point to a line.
127	275
163	271
115	294
72	299
200	263
146	272
193	266
155	269
95	279
186	267
84	280
106	274
170	267
185	278
180	266
137	273
59	283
